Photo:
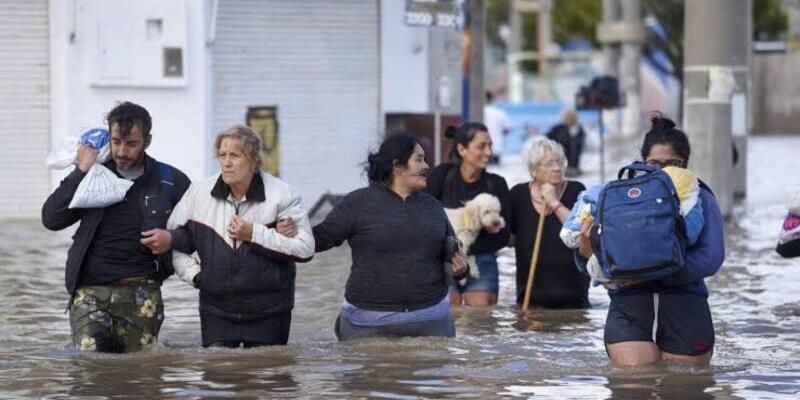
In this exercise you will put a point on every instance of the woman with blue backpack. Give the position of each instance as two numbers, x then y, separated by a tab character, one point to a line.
658	312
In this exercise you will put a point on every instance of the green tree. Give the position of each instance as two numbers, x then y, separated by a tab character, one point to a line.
576	19
571	19
770	22
497	14
579	18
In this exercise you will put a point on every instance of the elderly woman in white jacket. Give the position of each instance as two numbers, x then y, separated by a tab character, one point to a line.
245	269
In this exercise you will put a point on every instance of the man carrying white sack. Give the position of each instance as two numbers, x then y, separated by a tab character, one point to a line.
118	260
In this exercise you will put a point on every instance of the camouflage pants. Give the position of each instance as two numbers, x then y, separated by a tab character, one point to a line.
116	318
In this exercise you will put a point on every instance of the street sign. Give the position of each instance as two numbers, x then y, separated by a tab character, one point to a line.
435	13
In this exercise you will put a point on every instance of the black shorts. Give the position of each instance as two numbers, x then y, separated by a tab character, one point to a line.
678	323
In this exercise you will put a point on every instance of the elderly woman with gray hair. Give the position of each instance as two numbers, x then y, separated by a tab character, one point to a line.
245	267
557	282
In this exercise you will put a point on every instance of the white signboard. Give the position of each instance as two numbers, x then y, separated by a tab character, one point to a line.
435	13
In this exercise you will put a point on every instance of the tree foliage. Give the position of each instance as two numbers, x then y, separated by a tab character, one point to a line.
571	19
770	21
576	19
579	19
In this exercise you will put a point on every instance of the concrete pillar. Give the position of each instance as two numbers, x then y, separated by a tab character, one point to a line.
716	46
611	56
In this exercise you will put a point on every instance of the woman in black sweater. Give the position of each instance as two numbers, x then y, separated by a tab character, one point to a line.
557	283
398	280
460	181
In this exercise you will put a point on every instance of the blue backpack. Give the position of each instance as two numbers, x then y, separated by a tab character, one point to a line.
639	233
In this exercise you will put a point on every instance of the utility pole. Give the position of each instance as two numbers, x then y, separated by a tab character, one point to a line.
716	48
630	81
611	52
621	34
477	26
544	24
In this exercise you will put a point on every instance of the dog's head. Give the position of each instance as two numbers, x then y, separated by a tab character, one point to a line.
485	210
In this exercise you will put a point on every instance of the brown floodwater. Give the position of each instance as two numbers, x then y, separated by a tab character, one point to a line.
755	302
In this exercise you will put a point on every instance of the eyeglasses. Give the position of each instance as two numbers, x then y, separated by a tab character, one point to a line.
552	164
674	162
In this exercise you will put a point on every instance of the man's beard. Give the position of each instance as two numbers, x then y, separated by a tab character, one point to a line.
128	164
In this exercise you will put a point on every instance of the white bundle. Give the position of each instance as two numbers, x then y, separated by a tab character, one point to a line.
65	153
100	188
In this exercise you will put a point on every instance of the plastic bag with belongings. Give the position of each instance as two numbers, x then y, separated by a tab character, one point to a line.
65	154
100	188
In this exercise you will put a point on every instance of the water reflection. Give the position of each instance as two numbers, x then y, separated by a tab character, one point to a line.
244	374
107	377
661	384
545	320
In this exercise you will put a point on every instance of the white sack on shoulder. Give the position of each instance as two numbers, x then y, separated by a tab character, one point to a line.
100	188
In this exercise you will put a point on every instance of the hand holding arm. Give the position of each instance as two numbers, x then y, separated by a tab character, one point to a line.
240	229
158	240
287	227
300	246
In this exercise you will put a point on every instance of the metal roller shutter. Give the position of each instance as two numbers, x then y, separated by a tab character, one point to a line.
24	107
318	62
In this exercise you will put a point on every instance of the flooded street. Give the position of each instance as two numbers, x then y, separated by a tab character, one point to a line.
754	299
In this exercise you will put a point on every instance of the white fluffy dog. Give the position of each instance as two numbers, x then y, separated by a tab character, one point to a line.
480	213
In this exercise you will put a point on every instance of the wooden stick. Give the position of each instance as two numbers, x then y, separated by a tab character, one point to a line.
534	258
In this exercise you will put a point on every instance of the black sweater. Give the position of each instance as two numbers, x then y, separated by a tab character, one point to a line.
447	185
557	283
163	185
397	246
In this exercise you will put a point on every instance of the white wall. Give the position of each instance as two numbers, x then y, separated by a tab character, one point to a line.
180	111
404	62
318	62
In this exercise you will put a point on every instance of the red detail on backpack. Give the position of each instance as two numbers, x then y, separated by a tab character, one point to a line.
634	192
791	222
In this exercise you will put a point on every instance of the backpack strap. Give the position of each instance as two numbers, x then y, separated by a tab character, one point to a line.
704	186
166	176
166	180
